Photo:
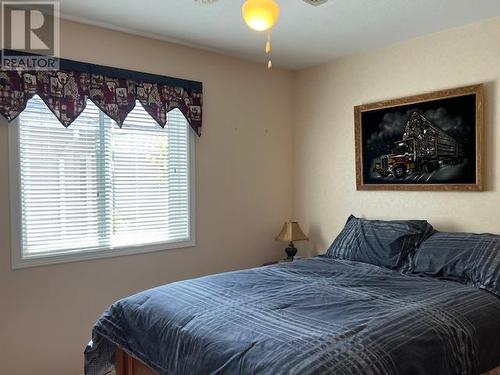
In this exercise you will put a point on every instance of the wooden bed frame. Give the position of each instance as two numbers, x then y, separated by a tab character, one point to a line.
127	365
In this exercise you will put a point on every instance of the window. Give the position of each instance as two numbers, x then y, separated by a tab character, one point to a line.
94	190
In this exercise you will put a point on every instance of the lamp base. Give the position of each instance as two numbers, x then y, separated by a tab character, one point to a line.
291	251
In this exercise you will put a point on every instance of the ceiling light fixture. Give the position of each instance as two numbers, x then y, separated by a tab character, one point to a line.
261	15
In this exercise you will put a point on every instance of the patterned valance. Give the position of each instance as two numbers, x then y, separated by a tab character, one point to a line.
113	90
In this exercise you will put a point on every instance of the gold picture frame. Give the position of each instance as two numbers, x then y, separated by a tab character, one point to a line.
427	157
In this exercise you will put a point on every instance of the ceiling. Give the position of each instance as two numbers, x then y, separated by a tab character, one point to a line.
304	35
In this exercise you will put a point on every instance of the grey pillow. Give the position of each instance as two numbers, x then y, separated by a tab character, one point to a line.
469	258
383	243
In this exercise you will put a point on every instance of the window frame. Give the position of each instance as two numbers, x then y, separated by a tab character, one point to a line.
19	261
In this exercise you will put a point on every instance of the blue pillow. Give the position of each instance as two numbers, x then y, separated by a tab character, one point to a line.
383	243
472	259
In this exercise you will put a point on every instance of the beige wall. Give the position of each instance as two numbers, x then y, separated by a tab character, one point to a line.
324	164
244	192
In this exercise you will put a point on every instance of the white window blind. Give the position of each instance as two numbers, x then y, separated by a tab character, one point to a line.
94	187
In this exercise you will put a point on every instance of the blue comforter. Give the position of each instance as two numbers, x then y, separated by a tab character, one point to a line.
312	316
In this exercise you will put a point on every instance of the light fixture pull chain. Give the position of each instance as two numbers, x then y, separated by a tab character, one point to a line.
268	50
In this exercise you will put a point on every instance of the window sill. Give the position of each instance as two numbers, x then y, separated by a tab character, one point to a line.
76	256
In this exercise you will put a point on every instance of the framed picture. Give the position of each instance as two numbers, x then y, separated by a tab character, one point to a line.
424	142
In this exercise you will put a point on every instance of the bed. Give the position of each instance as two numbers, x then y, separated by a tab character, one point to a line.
311	316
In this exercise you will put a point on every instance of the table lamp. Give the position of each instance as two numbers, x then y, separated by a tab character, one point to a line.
291	232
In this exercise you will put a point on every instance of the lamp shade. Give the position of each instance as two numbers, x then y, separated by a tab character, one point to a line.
260	15
291	232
